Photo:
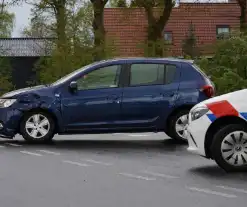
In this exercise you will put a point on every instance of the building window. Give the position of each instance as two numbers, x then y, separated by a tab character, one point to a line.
222	32
168	37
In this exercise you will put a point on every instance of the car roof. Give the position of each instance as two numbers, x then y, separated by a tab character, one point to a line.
146	59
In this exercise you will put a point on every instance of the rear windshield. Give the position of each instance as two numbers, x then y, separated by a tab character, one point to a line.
199	70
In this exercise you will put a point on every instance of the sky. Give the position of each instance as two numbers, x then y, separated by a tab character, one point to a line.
23	12
22	15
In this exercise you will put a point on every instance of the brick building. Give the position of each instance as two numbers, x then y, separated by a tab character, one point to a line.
128	26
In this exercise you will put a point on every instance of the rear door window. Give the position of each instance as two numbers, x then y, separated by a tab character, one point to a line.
170	73
151	74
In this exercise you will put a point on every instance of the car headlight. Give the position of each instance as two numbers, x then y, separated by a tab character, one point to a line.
198	112
4	103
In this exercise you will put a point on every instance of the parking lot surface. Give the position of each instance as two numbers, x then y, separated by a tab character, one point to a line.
113	170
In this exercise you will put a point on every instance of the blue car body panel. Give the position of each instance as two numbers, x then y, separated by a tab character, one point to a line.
125	108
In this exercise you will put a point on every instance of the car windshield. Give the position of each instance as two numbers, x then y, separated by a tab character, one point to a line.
70	75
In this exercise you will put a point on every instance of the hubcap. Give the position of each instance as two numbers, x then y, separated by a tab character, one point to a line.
37	126
181	125
234	148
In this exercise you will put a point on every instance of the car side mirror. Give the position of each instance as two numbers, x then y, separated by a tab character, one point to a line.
73	86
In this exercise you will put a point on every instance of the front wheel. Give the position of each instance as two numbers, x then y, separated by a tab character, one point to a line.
37	127
177	125
229	148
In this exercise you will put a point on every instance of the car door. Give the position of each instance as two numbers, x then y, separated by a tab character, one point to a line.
96	104
149	94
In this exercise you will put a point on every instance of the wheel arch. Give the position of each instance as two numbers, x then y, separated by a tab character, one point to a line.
173	112
216	126
176	110
45	110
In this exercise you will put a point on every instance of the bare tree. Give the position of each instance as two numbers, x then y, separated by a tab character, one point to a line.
243	24
155	24
6	20
2	6
98	27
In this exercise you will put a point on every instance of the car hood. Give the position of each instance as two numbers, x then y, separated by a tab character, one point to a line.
236	97
23	90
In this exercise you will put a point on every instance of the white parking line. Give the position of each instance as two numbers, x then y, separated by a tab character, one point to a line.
97	162
232	189
159	174
76	163
14	145
137	176
138	135
1	146
49	152
31	153
207	191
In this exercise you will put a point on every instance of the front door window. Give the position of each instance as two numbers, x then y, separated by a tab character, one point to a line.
106	77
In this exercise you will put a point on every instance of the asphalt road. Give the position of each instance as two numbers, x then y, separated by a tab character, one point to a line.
115	170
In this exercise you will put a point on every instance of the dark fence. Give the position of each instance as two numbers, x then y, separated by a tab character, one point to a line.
22	70
23	53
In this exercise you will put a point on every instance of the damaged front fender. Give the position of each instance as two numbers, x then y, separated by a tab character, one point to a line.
34	101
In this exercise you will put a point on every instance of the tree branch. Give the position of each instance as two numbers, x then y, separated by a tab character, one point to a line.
46	4
148	6
104	2
101	1
242	3
168	5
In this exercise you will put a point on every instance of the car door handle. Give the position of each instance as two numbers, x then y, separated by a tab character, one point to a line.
71	104
150	96
167	95
114	98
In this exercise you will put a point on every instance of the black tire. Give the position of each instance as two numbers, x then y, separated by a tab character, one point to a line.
48	137
216	148
172	125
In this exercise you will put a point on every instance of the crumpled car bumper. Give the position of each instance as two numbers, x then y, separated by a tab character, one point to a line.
9	122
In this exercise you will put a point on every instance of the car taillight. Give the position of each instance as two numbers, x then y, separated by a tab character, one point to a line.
208	90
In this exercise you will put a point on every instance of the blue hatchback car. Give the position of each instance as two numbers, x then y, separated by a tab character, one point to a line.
118	95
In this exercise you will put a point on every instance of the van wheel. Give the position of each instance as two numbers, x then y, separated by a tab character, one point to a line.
177	125
37	127
229	148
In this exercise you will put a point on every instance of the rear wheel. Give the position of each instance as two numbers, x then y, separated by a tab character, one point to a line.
229	148
37	127
178	124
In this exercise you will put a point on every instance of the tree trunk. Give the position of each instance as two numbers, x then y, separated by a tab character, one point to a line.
243	25
98	28
2	7
156	26
61	25
154	40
